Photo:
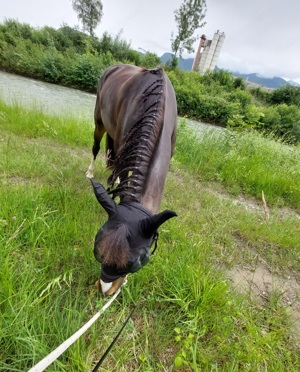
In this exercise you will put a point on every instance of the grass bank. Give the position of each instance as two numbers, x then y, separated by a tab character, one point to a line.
189	315
243	162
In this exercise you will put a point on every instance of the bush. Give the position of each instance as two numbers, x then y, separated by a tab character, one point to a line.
295	132
24	58
149	60
283	121
207	108
68	37
221	77
287	94
251	118
52	68
244	98
118	47
239	83
84	73
261	94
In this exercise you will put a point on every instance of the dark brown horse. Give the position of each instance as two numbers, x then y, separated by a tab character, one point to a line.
137	109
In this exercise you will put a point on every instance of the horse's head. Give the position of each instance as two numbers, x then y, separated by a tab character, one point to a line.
122	245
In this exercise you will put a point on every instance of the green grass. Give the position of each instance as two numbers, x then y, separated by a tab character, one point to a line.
244	162
48	220
33	123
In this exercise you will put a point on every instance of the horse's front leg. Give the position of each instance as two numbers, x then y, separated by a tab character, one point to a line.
98	134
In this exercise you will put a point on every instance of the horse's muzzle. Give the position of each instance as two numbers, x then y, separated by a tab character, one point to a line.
108	289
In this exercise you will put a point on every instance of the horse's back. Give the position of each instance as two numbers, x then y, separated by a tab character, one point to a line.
120	97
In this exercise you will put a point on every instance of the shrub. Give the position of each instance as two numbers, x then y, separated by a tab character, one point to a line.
24	58
52	68
243	97
261	94
149	60
251	118
287	94
295	132
239	83
207	108
68	37
222	77
118	47
134	57
282	121
84	73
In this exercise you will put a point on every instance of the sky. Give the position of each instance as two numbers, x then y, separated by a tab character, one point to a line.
261	36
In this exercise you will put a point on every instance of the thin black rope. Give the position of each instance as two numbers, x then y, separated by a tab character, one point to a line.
155	242
112	343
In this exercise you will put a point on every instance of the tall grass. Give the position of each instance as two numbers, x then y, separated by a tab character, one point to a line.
244	162
34	123
187	312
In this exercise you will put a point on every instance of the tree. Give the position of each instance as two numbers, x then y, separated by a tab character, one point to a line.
89	12
188	18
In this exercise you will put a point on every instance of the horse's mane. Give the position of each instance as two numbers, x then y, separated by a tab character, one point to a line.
134	156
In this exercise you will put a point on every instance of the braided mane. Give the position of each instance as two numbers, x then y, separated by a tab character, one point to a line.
134	156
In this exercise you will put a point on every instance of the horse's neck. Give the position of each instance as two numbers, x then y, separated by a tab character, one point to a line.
160	162
157	174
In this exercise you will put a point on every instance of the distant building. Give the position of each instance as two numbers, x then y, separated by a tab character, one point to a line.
208	53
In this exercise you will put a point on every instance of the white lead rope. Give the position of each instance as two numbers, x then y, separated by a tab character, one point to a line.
44	363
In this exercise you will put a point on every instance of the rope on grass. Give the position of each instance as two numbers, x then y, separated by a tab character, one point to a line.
44	363
112	343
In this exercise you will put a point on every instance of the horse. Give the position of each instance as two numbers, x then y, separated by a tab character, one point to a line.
136	108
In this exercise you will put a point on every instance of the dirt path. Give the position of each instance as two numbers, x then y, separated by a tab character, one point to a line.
257	279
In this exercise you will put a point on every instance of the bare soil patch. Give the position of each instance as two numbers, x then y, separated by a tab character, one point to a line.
260	283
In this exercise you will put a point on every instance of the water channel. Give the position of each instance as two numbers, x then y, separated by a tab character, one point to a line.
55	99
50	98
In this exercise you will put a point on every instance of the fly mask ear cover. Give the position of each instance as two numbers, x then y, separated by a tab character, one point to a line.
151	224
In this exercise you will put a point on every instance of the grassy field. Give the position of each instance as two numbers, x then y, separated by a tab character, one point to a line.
191	314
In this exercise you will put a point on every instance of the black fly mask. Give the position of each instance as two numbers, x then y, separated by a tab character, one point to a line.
122	245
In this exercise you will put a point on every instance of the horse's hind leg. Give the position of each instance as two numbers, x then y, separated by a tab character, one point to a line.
98	134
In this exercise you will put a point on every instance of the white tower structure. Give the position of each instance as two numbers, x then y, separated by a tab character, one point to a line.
208	53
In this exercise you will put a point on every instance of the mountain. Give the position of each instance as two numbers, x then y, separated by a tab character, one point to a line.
273	83
294	83
184	64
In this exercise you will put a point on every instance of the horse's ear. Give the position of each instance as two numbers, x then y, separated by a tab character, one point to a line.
151	224
103	198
